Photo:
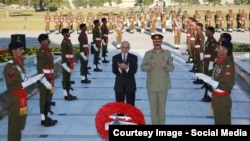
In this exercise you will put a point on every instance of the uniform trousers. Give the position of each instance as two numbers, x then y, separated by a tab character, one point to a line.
16	123
157	102
222	109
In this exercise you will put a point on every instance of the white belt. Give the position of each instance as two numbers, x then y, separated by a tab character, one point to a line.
86	45
197	46
207	56
98	39
69	56
188	35
106	35
192	38
48	70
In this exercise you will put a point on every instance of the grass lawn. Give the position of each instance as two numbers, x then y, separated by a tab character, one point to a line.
31	20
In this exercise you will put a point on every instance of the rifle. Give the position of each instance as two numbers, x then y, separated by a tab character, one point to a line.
48	105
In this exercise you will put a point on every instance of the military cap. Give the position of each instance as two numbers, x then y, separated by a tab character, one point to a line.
65	30
15	45
157	37
226	44
42	37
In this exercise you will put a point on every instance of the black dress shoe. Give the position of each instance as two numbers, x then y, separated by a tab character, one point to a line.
48	122
206	99
105	61
198	81
70	97
97	70
86	81
89	67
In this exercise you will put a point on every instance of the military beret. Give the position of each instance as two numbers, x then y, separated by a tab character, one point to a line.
15	45
42	37
157	37
65	30
226	44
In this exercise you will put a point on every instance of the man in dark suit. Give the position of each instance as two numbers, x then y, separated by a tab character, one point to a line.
124	66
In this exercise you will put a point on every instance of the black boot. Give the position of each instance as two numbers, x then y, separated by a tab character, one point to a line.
206	97
86	81
97	69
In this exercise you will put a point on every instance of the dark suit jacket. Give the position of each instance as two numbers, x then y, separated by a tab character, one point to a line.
125	79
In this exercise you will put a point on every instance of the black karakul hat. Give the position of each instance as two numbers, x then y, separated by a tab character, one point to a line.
15	45
42	37
226	44
157	37
65	30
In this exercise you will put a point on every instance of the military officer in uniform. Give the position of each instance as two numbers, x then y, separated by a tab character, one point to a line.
157	62
57	22
230	19
243	18
97	44
45	65
209	60
184	19
208	19
84	53
16	98
67	64
238	19
222	82
105	37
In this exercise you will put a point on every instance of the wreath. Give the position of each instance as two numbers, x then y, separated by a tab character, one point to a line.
104	116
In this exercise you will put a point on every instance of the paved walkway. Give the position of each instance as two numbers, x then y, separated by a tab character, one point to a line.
76	120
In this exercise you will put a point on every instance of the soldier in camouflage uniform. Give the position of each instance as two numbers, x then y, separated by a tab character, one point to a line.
67	64
45	65
84	54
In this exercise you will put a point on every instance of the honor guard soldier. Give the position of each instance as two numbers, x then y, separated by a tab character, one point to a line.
199	51
152	22
132	19
193	25
84	52
105	37
197	16
243	18
61	22
177	32
97	44
222	82
230	20
118	34
142	22
67	65
238	20
209	60
188	41
57	22
184	19
219	20
208	19
122	19
111	22
47	22
79	20
16	98
163	22
45	65
90	19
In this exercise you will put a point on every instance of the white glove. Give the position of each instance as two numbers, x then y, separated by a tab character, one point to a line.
46	83
207	79
64	65
210	65
103	42
96	49
84	56
201	56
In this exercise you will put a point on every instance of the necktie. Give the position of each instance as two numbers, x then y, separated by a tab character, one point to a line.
124	58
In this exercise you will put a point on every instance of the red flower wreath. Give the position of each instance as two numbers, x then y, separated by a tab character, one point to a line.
107	110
